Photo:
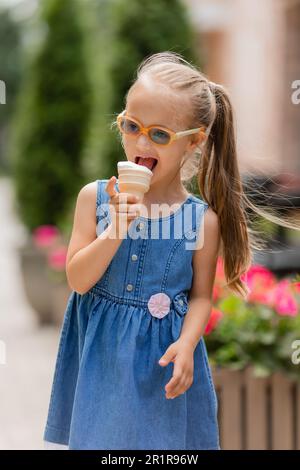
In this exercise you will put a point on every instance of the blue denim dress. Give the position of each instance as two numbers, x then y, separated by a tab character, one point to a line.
108	390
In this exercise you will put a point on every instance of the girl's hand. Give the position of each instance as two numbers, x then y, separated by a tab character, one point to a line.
182	354
124	209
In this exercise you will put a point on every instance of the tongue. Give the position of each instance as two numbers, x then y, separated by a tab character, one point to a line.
148	162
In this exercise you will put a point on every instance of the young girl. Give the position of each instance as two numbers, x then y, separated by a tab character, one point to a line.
132	369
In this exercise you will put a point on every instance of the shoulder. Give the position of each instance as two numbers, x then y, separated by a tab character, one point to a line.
87	197
211	220
88	192
91	191
209	229
94	199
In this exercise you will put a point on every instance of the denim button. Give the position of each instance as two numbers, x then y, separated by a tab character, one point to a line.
129	287
134	257
140	226
180	302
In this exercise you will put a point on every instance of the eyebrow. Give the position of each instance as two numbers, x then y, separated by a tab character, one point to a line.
140	120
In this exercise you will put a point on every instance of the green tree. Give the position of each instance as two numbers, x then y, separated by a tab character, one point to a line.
52	119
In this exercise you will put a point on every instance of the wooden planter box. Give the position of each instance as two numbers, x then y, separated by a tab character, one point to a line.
257	413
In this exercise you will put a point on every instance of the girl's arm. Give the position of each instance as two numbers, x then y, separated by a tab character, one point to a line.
204	269
88	256
181	352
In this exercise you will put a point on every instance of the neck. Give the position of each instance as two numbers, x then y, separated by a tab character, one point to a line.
166	192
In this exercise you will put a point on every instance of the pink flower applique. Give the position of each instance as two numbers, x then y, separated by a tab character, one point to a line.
159	305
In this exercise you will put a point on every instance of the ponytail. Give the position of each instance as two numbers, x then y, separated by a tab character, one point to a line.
221	186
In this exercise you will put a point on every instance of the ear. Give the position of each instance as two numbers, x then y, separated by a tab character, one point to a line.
197	139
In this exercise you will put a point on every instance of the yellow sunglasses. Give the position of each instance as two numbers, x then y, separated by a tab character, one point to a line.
159	135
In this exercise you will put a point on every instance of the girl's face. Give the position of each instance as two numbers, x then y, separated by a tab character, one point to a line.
151	103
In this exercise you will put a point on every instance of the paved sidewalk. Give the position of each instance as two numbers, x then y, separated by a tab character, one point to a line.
26	377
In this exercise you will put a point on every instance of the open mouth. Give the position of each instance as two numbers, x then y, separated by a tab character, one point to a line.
149	162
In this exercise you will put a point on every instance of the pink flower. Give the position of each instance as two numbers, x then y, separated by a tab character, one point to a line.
159	305
57	258
261	282
45	235
219	289
220	274
214	319
283	299
296	287
217	292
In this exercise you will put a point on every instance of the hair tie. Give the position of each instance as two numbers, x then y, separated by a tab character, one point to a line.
212	86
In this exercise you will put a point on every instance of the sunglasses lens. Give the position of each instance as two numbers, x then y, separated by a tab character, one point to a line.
128	126
159	136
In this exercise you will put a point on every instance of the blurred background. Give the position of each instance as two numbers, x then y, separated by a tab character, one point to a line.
65	66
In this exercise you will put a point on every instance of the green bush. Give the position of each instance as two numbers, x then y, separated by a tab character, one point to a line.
52	119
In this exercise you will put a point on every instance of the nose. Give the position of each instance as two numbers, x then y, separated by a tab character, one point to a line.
143	141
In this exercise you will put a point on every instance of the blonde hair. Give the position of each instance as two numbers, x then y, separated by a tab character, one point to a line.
216	165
